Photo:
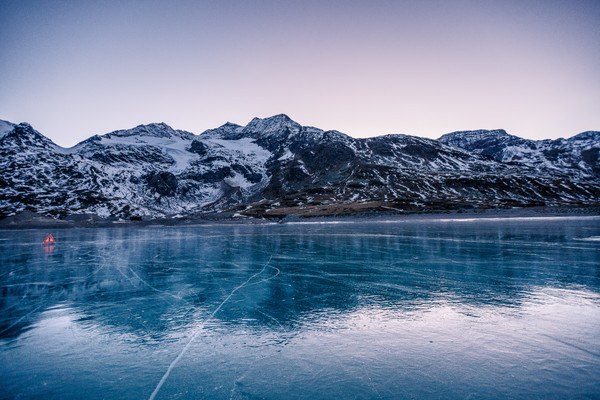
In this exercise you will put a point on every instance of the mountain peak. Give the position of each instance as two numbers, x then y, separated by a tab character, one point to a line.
478	133
276	118
466	139
154	129
23	134
228	130
274	124
157	130
24	129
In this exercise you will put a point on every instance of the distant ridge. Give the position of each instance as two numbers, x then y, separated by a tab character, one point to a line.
579	154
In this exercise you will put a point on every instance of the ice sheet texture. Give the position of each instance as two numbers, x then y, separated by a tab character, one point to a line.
422	309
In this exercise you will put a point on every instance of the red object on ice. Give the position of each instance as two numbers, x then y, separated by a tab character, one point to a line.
49	239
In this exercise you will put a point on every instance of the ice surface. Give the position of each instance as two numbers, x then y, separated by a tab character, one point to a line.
418	309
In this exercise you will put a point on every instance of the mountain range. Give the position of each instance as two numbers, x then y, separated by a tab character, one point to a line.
274	167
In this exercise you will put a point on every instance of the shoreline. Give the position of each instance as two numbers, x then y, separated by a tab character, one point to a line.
30	220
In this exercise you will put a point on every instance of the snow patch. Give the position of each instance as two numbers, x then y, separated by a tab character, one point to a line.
286	156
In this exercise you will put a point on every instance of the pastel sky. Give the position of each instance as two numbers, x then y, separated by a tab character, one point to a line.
77	68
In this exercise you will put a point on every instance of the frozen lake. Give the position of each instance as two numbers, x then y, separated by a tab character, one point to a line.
416	309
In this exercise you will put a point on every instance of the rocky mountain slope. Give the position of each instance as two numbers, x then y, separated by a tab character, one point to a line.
275	166
577	156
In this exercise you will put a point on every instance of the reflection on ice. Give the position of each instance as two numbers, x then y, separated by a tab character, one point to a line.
422	309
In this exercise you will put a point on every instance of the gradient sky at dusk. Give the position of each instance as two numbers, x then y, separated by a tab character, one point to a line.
77	68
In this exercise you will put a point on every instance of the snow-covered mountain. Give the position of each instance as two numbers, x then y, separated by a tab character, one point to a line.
577	156
276	164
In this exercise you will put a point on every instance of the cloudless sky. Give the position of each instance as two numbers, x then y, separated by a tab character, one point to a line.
77	68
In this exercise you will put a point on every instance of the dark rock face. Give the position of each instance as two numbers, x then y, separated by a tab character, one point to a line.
199	148
326	156
275	162
164	183
247	173
216	175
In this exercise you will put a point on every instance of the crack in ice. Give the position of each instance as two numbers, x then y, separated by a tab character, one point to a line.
269	278
198	329
19	320
158	290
